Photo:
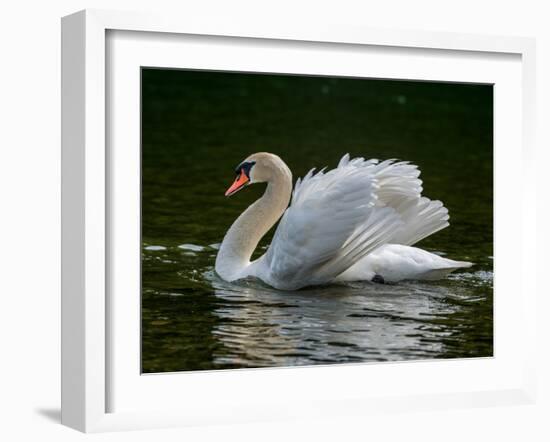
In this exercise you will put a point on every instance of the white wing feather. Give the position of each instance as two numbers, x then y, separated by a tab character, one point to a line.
401	188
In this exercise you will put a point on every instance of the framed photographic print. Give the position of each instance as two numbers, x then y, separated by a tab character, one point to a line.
262	222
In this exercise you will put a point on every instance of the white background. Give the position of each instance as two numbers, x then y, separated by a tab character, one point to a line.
30	221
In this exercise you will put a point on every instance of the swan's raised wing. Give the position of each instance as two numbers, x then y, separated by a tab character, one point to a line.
338	217
400	188
335	218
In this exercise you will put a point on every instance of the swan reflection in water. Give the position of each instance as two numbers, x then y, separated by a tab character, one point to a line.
356	322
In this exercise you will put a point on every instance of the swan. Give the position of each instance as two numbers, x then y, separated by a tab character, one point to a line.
356	222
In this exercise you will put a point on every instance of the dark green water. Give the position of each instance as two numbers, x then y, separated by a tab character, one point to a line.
197	126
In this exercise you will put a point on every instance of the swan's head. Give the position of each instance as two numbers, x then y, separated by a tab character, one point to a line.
257	168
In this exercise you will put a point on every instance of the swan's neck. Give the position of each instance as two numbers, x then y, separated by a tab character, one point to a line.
243	236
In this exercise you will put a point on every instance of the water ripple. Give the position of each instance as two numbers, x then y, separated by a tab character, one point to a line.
249	324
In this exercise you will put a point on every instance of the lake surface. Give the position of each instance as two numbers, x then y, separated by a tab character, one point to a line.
197	126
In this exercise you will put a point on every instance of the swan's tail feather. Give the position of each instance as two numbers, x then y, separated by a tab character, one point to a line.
462	265
440	273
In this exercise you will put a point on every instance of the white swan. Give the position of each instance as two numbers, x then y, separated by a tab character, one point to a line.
355	222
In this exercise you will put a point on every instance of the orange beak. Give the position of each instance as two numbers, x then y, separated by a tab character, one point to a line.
239	183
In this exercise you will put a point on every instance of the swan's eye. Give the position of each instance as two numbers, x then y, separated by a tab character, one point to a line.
245	167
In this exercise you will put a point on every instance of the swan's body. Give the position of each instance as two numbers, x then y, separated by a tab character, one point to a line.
355	222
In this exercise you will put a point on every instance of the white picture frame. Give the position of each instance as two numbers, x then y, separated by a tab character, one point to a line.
87	355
